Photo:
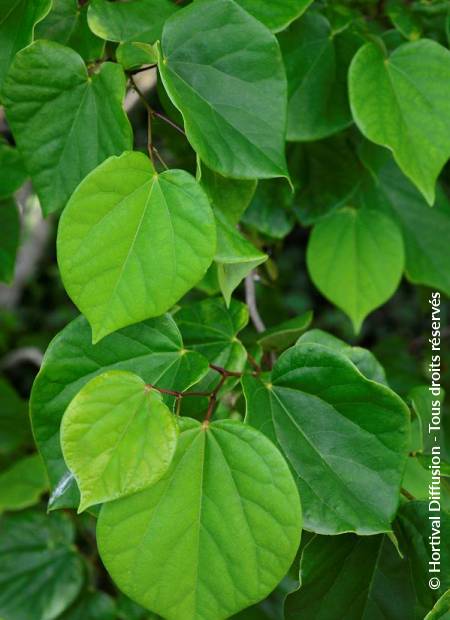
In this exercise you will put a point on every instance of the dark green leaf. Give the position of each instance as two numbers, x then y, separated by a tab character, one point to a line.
9	238
285	334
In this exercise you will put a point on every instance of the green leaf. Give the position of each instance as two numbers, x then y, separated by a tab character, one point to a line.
441	610
211	328
352	578
15	429
131	242
381	92
416	527
228	197
9	238
331	422
138	20
275	15
270	211
363	359
117	437
223	524
13	171
17	21
283	335
425	231
317	62
67	24
235	256
40	570
50	81
92	606
422	403
355	258
153	350
404	19
240	137
134	55
22	484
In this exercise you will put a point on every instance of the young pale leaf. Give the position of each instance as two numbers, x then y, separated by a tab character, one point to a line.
40	571
235	257
9	238
211	53
355	258
131	242
17	22
138	20
275	15
50	81
67	24
346	438
317	62
223	525
382	90
117	437
153	350
13	171
425	231
22	484
281	336
353	578
363	359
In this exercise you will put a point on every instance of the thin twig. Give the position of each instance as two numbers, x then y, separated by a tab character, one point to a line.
407	494
132	72
167	120
250	298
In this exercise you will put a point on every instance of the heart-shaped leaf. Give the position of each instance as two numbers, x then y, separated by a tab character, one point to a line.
50	81
345	436
153	350
211	52
117	437
402	102
131	242
355	257
223	525
275	15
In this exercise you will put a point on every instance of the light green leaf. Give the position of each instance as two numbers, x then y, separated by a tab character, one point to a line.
425	231
223	525
441	610
235	256
9	238
50	81
134	55
317	62
131	242
342	434
363	359
422	404
22	484
416	527
153	350
228	197
355	258
67	24
211	53
15	429
352	578
138	20
40	571
92	606
275	15
270	212
17	21
13	172
117	437
381	91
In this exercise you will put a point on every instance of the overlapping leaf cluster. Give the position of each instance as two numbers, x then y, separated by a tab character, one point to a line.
203	445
